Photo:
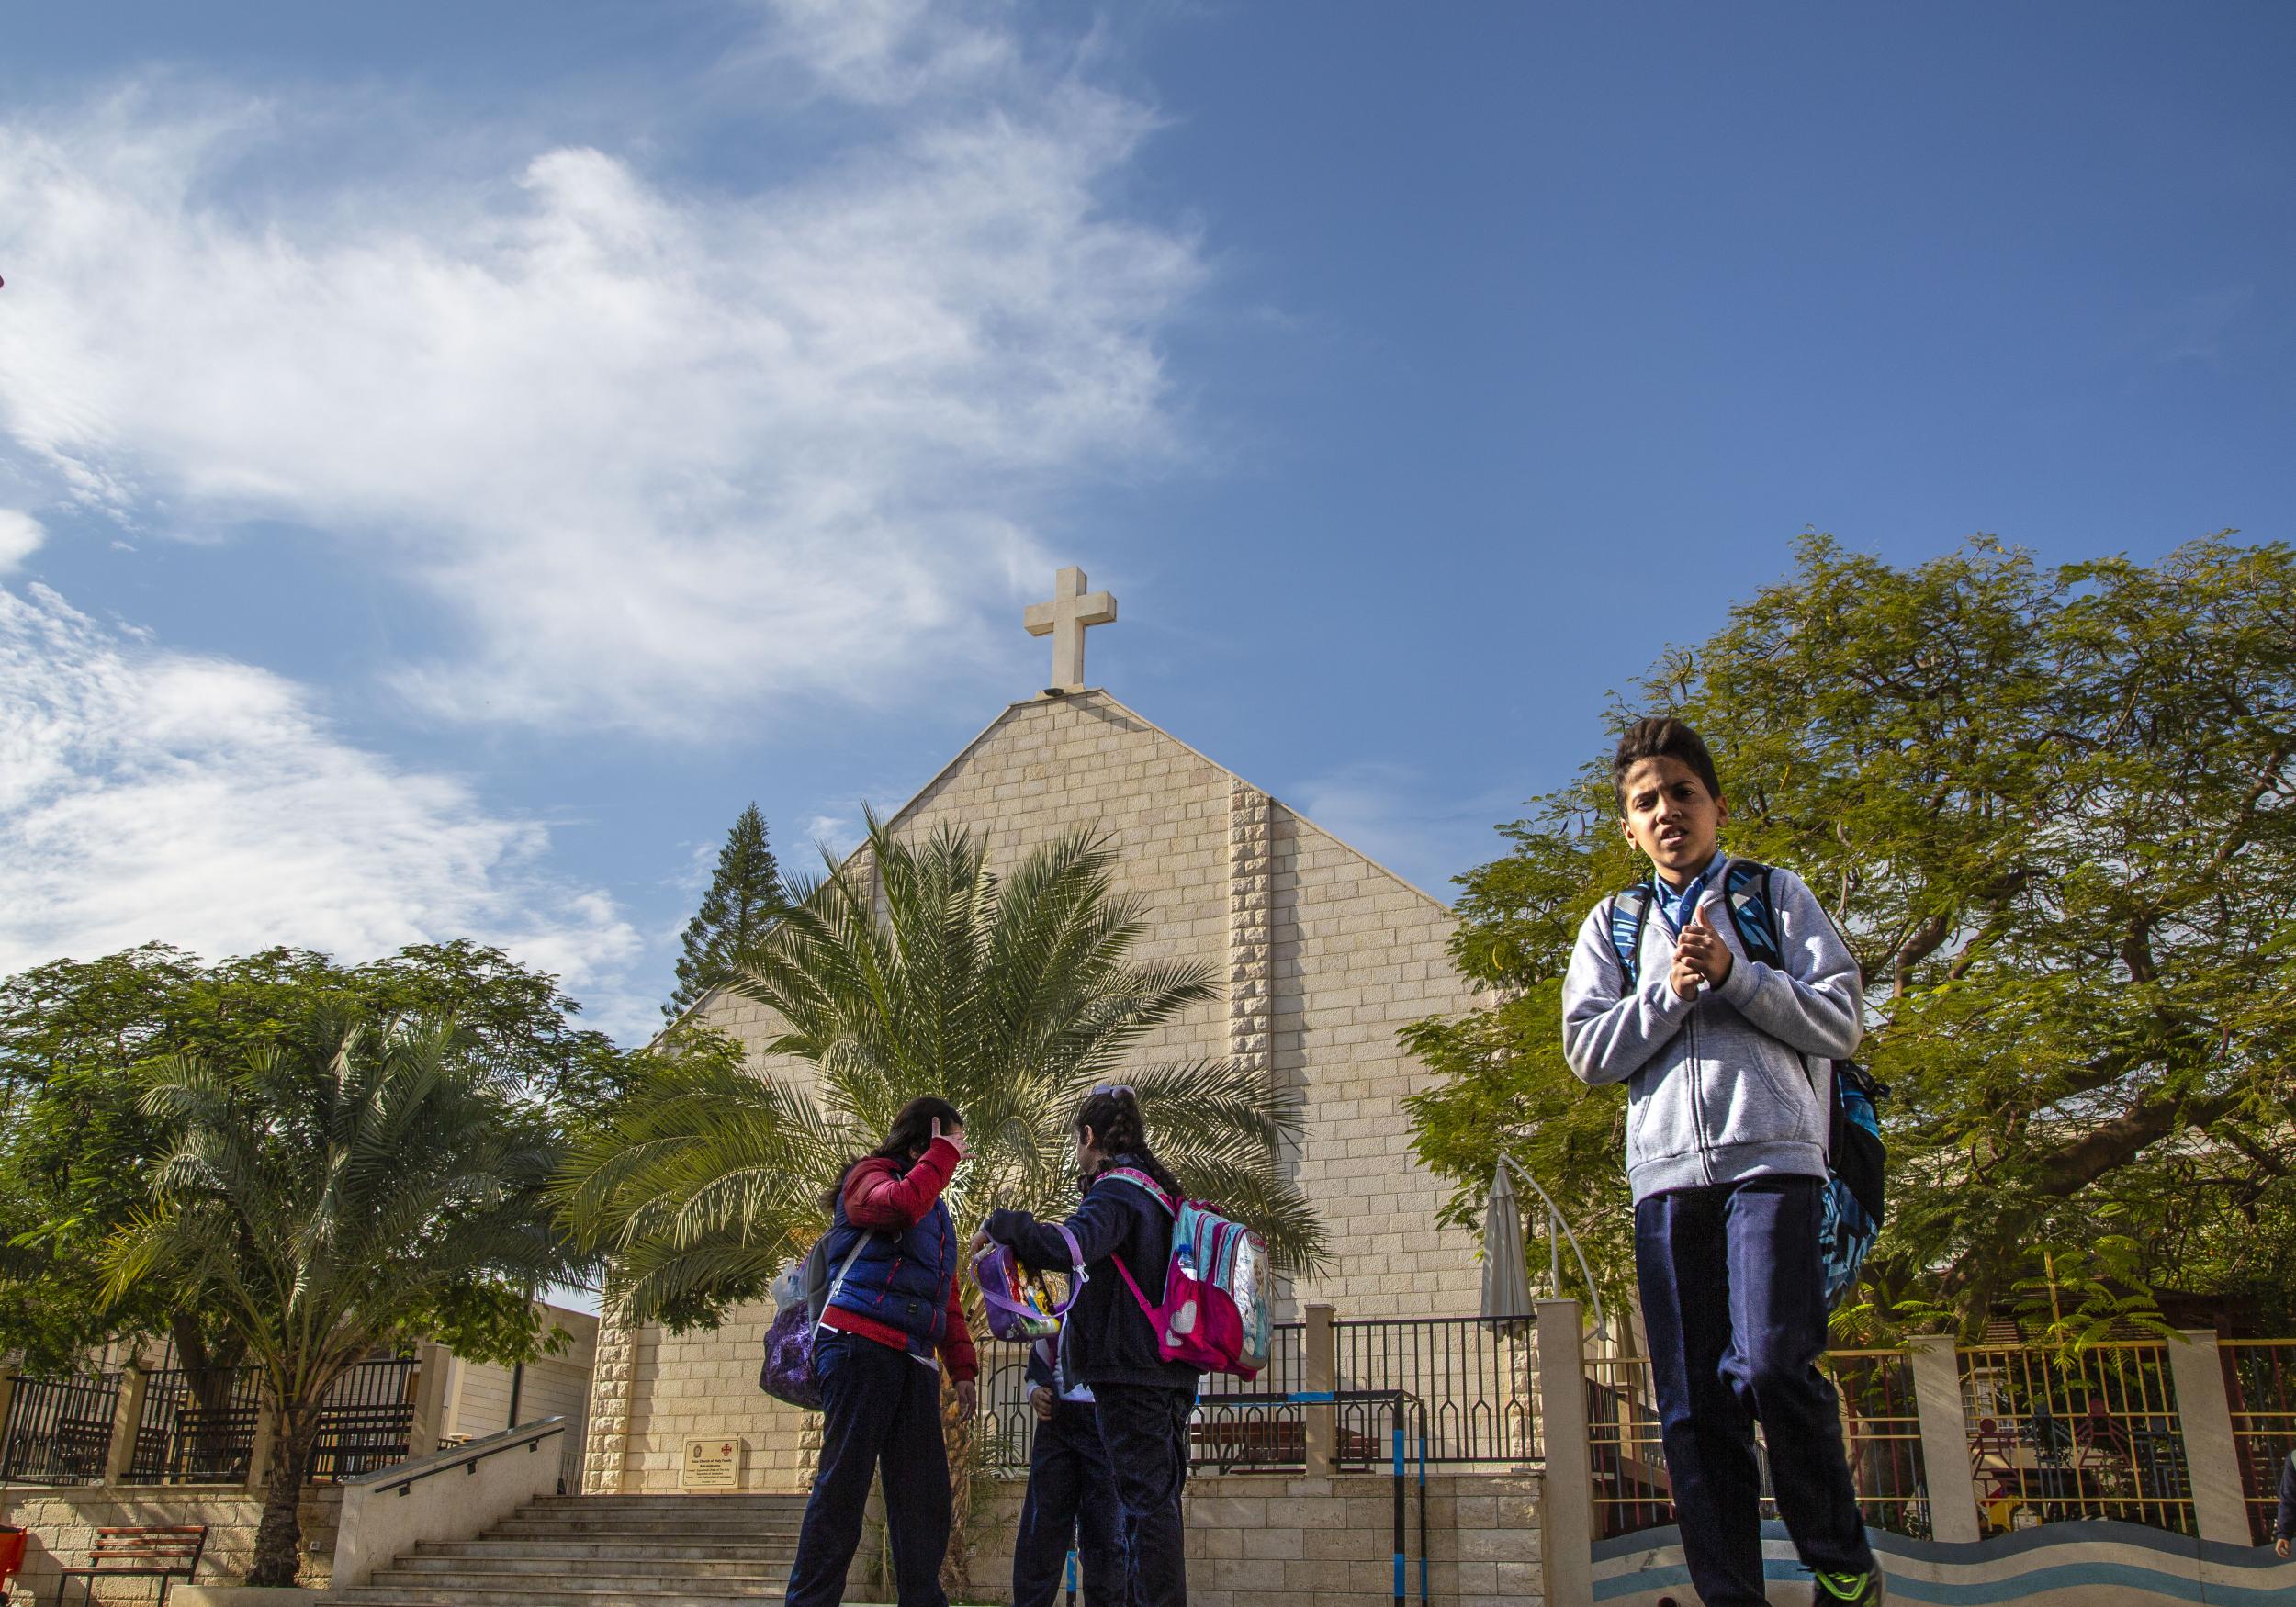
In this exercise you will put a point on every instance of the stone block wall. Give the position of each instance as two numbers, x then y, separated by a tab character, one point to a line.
64	1522
1259	1540
698	1384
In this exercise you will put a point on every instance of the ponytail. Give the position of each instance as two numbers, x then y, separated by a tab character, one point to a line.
1112	1111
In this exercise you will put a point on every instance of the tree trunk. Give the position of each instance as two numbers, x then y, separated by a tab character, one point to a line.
279	1535
957	1434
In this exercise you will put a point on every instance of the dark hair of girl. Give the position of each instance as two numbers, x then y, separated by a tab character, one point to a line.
912	1130
1113	1115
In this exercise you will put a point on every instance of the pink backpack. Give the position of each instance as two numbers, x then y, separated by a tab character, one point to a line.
1214	1316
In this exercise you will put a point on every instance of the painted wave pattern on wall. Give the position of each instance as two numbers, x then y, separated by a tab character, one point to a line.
2089	1563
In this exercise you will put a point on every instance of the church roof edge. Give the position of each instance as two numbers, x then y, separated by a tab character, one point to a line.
1102	693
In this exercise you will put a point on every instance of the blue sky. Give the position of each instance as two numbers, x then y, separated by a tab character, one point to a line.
452	459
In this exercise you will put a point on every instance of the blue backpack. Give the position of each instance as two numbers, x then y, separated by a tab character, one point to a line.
1854	1156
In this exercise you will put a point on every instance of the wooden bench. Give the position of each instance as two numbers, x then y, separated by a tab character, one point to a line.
163	1553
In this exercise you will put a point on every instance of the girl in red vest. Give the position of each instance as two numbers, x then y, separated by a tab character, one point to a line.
893	1308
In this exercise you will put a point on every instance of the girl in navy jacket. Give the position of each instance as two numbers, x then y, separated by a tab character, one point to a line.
1143	1402
893	1306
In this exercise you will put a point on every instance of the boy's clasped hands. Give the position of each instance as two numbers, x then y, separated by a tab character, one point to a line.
1701	958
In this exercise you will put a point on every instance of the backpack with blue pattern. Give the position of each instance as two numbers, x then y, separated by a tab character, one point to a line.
1854	1156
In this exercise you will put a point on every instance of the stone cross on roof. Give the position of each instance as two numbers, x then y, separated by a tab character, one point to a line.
1063	619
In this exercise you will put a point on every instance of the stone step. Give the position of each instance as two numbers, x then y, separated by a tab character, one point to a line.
638	1547
699	1523
610	1551
641	1565
489	1596
658	1503
751	1585
614	1533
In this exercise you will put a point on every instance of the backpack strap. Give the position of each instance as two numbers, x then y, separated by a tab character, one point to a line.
1630	913
860	1243
1745	889
1141	1180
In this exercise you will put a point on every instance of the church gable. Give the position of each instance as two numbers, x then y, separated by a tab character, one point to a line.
1322	957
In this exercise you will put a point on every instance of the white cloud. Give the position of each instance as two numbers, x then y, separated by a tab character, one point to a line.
658	454
883	52
20	535
153	795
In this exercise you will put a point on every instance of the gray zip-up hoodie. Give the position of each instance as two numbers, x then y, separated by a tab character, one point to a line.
1718	1088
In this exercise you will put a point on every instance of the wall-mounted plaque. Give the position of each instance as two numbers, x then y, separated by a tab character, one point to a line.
713	1462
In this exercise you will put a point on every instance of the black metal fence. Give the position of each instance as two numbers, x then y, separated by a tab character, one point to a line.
59	1430
1239	1430
1473	1379
1237	1427
196	1428
1470	1382
366	1422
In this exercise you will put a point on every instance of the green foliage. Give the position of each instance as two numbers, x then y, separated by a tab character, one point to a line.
2054	813
745	892
359	1183
1008	995
78	1148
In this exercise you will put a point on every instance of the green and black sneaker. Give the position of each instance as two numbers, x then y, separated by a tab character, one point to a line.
1848	1590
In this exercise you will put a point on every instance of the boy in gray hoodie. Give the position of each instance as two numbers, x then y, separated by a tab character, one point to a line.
1726	1062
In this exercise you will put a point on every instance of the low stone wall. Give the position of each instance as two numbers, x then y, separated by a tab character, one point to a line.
1269	1540
64	1522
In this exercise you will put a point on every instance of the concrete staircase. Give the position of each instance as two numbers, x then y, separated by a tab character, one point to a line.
604	1551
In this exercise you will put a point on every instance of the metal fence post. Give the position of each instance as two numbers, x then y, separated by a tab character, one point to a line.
2211	1455
1566	1503
7	1410
127	1424
1319	1375
1945	1479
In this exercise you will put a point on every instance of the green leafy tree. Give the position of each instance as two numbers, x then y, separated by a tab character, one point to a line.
358	1184
78	1147
2054	810
745	891
1009	995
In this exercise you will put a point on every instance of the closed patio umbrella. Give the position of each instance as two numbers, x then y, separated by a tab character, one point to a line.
1507	1286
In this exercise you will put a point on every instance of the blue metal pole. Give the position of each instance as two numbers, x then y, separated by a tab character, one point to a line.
1422	1506
1071	1577
1396	1437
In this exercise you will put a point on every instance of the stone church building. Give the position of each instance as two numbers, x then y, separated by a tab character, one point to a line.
1325	955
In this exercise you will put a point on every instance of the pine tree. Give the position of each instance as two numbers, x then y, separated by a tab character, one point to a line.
735	913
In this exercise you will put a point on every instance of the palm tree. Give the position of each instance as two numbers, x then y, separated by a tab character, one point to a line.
1009	995
349	1189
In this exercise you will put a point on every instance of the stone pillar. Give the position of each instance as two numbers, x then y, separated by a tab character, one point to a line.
1953	1494
127	1419
610	1379
1251	928
433	1363
1566	1503
809	1436
2211	1455
1319	1375
266	1442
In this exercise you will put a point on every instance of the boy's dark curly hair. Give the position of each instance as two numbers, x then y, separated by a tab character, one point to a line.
1662	736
